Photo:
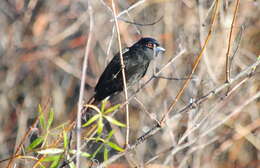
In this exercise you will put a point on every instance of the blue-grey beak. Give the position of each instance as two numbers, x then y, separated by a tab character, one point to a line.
159	49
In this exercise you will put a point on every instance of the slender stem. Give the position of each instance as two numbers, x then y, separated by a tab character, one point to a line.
243	74
123	72
82	87
194	67
229	44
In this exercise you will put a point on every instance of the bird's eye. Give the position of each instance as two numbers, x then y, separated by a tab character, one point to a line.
149	45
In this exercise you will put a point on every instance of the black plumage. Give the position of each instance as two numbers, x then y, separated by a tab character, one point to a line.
136	59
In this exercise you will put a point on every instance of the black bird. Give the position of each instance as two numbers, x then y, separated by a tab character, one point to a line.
136	59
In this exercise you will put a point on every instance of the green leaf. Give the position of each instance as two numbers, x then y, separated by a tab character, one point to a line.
93	107
72	165
51	158
65	139
115	122
84	154
91	139
103	105
105	154
100	126
113	108
51	118
91	120
42	166
35	143
96	139
55	159
50	151
97	151
111	133
115	146
41	117
55	163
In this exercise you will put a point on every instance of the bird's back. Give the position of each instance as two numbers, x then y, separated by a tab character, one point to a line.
111	80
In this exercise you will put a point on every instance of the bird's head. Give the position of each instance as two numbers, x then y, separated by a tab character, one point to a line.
150	46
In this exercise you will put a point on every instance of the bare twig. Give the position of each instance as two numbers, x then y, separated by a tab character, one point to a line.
126	102
170	78
130	8
152	117
82	86
248	133
236	45
194	67
69	31
204	18
196	148
136	28
213	110
241	75
110	44
9	165
229	43
123	71
157	128
236	111
142	24
64	65
154	76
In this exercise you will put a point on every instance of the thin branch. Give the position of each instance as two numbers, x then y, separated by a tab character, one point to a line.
152	117
153	77
213	111
236	45
141	24
110	44
229	43
236	111
170	78
196	148
68	31
156	128
129	9
112	35
139	32
183	146
82	86
194	67
24	138
245	73
204	20
177	148
126	102
123	71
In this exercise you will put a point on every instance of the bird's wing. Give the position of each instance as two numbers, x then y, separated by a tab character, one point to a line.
111	80
110	73
113	69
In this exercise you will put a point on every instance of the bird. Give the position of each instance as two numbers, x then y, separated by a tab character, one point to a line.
136	60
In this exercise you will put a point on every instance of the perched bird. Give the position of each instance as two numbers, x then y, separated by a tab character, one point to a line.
136	59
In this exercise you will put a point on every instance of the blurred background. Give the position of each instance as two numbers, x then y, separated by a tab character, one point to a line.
42	45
